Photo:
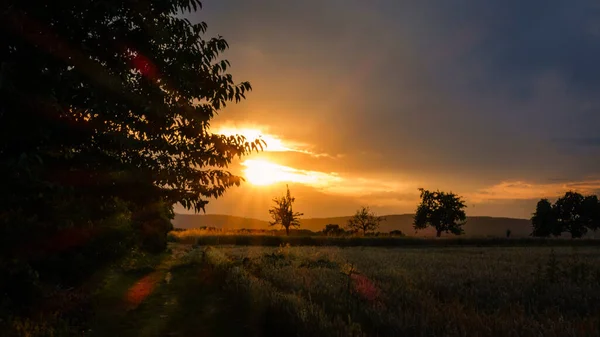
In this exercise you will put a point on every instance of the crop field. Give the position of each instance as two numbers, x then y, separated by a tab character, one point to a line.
420	292
364	291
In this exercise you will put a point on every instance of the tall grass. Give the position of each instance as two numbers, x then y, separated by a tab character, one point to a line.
435	292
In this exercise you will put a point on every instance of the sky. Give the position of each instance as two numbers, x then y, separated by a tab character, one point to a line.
363	102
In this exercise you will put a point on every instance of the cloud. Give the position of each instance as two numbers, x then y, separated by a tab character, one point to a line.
520	190
260	172
272	143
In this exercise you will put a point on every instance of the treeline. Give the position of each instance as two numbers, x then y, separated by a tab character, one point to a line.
329	230
377	241
104	126
572	213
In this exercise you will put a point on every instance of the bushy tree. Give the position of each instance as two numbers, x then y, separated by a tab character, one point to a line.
333	229
442	211
569	214
283	213
396	232
573	213
104	99
364	220
105	113
590	212
544	220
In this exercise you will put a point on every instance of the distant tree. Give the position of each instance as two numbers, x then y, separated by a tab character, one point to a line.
569	210
544	220
508	233
333	229
396	232
283	214
590	212
364	220
442	211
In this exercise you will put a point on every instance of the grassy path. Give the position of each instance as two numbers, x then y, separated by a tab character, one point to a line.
174	299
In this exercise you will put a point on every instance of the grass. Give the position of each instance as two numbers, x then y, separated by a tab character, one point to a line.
207	238
422	292
346	291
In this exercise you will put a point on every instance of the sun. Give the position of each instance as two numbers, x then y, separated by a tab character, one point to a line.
262	173
273	143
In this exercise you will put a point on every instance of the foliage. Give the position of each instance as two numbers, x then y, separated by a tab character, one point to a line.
568	211
590	212
544	220
152	223
396	232
283	213
364	220
441	210
571	213
333	230
104	126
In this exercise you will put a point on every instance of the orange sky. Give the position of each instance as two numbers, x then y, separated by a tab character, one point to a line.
325	186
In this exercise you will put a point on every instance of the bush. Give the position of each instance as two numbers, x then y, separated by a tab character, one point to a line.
152	223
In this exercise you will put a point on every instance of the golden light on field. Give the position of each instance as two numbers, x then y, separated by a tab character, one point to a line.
262	172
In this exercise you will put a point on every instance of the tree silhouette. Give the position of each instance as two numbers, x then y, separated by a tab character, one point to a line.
441	210
104	126
333	229
590	212
544	220
364	220
105	101
569	211
283	214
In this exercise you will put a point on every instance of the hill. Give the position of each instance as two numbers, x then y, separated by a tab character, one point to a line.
476	225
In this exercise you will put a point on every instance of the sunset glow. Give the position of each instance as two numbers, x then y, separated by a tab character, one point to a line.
273	143
262	172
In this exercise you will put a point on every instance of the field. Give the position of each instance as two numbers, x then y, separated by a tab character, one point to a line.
355	291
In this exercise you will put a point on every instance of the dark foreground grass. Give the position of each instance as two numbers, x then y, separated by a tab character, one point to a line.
322	241
186	295
340	291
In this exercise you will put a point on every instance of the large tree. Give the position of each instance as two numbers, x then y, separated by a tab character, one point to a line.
364	220
590	212
569	214
105	116
104	99
283	213
544	220
442	211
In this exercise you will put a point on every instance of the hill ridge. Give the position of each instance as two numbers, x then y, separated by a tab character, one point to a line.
475	226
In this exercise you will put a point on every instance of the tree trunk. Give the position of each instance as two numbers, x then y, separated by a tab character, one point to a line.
439	233
287	231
